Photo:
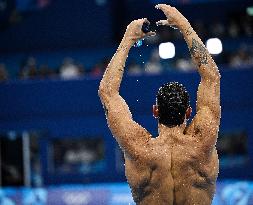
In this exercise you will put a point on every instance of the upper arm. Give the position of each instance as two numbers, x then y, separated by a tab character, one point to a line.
207	120
209	88
208	94
130	135
204	129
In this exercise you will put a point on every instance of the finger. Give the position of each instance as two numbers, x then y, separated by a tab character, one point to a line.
162	23
142	20
158	6
146	21
139	21
162	6
166	23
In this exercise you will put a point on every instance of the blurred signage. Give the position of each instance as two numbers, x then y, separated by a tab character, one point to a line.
227	193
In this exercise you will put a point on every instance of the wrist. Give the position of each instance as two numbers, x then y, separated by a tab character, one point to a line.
125	45
127	41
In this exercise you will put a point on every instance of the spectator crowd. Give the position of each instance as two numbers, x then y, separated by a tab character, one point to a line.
237	27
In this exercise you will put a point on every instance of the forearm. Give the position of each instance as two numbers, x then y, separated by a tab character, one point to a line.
112	78
200	55
209	88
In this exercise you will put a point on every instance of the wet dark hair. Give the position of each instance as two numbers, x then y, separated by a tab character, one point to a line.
173	101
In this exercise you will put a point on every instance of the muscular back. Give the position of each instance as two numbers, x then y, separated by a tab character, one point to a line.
178	168
195	165
150	177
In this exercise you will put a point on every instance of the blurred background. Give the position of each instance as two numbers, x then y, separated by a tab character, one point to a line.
55	146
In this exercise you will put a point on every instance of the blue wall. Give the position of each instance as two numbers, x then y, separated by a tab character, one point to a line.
63	24
72	108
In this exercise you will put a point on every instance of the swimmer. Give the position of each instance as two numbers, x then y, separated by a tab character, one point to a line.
180	166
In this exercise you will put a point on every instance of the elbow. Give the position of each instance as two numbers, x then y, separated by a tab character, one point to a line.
102	94
210	72
102	91
217	76
105	92
213	76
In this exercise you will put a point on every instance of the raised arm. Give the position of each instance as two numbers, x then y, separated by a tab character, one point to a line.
129	134
208	96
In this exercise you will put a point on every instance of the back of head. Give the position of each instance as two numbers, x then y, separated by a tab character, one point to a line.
173	101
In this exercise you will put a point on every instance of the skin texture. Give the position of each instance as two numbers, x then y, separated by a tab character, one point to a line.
180	166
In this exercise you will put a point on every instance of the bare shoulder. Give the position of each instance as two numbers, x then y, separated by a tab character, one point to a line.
204	129
204	122
120	119
131	136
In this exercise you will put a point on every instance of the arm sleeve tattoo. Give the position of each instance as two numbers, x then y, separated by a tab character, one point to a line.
198	52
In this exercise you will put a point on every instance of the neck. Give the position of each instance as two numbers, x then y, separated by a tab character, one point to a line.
164	130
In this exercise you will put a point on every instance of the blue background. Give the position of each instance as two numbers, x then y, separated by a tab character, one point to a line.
73	109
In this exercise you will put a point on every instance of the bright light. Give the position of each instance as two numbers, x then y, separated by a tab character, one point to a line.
250	11
166	50
214	45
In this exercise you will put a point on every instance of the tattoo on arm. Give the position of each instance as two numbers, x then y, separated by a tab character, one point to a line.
199	52
188	31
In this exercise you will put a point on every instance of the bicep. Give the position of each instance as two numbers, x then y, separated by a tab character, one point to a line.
129	134
207	120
